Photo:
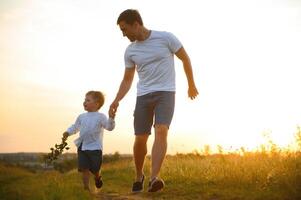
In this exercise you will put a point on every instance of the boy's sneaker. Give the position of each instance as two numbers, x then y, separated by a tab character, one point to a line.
98	182
155	185
138	186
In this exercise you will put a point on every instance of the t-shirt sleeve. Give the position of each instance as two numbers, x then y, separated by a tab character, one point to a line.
173	42
127	59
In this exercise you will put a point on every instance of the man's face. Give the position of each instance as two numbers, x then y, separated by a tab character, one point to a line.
128	30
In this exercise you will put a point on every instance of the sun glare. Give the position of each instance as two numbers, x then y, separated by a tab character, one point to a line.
64	46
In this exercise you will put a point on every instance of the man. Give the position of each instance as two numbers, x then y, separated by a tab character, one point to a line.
151	54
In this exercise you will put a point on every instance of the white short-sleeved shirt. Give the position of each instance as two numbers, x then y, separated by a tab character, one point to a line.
154	61
91	126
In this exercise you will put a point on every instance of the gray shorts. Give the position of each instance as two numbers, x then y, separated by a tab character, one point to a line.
158	106
89	160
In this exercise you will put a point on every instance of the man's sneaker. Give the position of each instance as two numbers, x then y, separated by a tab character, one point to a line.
155	185
138	185
98	182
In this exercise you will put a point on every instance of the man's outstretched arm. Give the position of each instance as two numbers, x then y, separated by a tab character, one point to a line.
125	86
183	56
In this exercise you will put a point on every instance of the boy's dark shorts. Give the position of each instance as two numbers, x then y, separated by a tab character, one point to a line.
89	159
155	106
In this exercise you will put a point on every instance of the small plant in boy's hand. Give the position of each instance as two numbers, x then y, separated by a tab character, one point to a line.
57	150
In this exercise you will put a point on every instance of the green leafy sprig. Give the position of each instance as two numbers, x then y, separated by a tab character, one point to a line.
56	151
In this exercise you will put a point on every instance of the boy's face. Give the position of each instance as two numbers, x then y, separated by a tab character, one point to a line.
89	104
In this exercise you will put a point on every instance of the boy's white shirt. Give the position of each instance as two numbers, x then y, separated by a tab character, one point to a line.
91	126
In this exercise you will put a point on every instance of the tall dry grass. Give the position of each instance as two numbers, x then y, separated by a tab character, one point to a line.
269	173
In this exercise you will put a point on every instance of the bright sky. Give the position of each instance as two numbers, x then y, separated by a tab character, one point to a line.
245	56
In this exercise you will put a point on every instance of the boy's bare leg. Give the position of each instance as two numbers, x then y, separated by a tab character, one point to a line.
159	149
98	180
86	177
140	151
96	175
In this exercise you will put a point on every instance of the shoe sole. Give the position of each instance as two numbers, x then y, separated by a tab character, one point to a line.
135	192
138	191
158	185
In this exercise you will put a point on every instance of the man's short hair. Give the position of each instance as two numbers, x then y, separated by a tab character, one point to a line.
130	16
98	97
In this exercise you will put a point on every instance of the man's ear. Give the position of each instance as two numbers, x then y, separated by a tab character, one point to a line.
136	24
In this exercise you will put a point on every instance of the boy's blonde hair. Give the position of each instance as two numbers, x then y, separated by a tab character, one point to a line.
97	96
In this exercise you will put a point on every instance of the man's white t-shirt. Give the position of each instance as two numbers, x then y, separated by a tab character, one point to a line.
154	61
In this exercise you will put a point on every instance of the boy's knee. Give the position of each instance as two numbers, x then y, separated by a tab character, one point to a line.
85	172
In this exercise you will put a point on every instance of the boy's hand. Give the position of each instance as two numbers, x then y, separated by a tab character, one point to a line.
112	115
65	135
113	109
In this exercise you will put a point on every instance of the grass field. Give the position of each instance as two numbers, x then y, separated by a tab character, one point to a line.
250	176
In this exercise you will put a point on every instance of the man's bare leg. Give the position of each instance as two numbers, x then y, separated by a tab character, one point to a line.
140	151
159	149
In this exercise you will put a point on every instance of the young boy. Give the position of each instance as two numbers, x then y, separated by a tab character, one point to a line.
90	141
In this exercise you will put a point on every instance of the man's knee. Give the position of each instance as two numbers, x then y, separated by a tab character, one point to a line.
161	128
141	139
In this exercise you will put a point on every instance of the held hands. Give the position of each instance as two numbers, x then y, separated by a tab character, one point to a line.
113	109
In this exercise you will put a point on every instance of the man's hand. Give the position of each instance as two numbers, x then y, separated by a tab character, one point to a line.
192	92
112	115
113	109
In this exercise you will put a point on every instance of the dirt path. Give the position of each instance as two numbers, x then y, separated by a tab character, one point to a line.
116	196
